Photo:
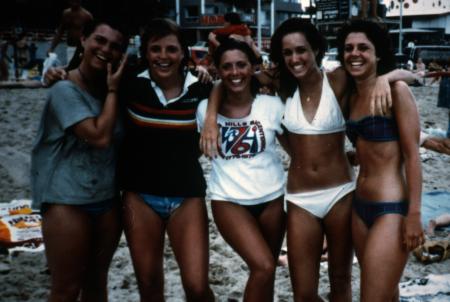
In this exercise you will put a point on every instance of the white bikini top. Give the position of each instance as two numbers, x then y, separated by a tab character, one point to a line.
328	118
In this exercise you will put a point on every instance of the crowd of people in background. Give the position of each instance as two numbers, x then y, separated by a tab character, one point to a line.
117	150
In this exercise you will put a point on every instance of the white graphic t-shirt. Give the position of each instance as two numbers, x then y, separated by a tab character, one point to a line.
248	169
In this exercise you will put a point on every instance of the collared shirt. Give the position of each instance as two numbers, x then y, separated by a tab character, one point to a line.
188	81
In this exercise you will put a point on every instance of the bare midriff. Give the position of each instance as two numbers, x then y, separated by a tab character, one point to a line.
318	162
381	176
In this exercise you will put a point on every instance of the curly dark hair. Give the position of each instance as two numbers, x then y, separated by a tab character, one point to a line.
313	36
159	28
232	44
377	34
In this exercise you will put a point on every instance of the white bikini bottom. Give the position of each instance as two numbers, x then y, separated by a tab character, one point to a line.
319	202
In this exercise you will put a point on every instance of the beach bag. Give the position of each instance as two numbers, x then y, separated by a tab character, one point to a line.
20	228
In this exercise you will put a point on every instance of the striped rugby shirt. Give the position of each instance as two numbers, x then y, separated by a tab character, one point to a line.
160	151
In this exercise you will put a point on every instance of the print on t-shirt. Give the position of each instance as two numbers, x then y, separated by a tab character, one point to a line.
242	139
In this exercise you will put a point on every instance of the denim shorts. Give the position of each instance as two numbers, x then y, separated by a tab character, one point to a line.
163	206
94	208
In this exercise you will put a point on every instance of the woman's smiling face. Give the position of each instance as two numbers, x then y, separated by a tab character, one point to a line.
235	70
104	45
360	58
164	56
298	55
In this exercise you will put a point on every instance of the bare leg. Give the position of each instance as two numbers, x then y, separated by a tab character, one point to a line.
273	225
304	239
257	245
145	231
106	235
383	260
188	232
66	231
340	252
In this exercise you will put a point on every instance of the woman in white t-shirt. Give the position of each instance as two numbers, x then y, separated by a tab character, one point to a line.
247	178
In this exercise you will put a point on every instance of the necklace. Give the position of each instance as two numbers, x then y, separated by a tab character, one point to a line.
308	99
83	77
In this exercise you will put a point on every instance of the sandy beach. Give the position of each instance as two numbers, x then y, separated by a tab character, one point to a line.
24	276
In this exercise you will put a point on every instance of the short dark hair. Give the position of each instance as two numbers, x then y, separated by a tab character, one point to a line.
232	18
159	28
377	34
232	44
92	25
313	36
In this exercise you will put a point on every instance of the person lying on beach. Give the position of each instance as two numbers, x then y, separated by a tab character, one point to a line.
442	220
437	144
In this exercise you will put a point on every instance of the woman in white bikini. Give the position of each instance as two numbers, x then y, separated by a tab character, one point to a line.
320	178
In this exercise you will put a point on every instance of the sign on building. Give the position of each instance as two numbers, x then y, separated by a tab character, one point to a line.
332	10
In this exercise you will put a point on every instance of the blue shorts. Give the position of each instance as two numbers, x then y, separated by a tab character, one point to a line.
163	206
94	209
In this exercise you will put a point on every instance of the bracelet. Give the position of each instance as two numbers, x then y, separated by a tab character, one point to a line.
112	90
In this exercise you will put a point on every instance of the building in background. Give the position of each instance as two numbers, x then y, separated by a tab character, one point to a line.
424	21
199	17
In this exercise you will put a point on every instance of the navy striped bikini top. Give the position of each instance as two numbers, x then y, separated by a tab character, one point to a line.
372	128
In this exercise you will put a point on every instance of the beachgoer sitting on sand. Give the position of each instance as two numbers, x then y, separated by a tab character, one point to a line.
444	90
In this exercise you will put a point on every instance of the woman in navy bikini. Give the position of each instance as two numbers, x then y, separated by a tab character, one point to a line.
386	205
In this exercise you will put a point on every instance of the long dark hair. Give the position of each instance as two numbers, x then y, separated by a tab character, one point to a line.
314	38
377	34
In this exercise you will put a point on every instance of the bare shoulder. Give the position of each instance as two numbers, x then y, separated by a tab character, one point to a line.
336	74
400	88
338	81
402	95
